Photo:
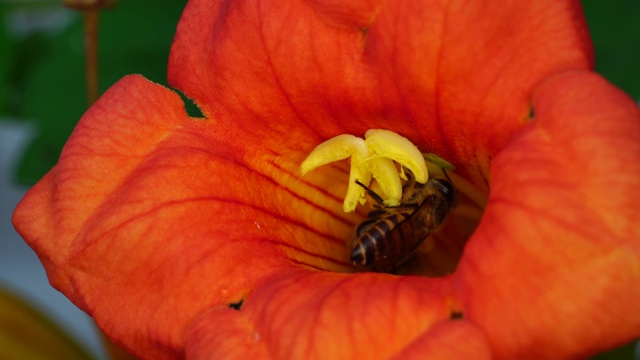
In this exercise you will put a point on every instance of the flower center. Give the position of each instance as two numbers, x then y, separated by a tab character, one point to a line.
419	220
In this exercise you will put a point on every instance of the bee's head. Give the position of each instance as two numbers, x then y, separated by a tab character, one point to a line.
447	189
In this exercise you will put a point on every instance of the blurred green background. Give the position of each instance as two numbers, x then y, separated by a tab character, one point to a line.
42	78
42	64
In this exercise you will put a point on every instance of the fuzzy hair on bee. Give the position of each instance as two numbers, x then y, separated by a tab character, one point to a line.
391	234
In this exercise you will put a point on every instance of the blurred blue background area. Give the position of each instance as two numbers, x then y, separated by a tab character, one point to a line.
42	96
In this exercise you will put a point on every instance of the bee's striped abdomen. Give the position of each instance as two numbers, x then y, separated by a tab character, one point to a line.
376	239
391	234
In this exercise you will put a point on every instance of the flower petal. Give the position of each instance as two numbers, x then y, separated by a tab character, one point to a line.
313	315
349	66
452	340
556	255
147	217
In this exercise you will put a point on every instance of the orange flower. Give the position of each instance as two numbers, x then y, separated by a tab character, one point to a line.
200	237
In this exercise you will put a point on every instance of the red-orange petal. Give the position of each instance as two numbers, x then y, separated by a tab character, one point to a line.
451	340
304	315
553	270
455	78
151	217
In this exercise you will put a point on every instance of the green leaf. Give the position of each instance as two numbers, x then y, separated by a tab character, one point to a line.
615	29
625	352
7	46
134	37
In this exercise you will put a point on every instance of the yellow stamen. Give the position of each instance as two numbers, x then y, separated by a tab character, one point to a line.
370	158
356	193
386	174
388	144
337	148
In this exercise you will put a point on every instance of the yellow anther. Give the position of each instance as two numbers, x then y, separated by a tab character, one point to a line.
356	193
386	174
372	157
337	148
388	144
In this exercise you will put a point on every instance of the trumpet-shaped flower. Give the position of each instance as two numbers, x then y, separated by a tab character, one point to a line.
199	238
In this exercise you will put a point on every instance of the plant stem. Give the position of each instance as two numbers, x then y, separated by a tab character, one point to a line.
91	17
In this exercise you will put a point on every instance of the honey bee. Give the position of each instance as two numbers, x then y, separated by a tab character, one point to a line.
391	234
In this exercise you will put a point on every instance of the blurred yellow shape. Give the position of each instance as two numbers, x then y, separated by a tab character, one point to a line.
25	333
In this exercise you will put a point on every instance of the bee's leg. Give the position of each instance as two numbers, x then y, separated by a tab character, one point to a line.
405	205
371	193
410	182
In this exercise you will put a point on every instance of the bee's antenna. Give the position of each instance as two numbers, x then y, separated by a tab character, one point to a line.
371	193
446	175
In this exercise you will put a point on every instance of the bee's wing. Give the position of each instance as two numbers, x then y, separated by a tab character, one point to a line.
423	219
